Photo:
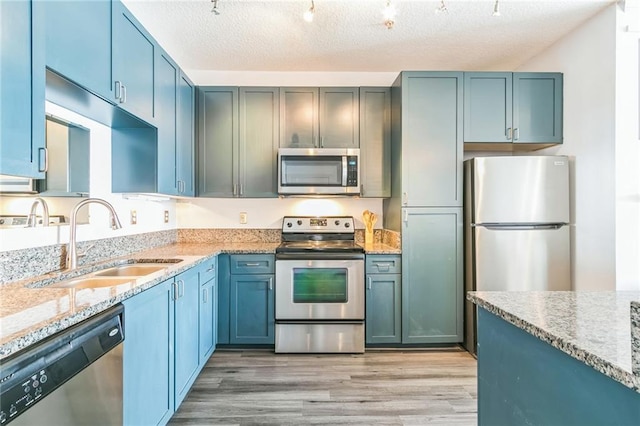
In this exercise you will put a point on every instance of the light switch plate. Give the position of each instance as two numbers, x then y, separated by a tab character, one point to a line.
134	217
243	218
166	216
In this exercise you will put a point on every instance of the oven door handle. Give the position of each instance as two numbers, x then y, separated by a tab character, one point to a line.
319	256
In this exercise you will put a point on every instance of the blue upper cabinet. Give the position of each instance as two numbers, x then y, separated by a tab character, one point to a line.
537	108
22	79
166	109
185	138
133	64
78	42
512	107
487	107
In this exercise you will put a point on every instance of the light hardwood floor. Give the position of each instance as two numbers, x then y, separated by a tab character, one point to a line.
376	388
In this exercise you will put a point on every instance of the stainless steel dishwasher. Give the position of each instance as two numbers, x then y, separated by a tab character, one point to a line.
71	378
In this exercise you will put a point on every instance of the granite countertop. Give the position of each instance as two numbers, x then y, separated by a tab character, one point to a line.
592	327
379	248
30	311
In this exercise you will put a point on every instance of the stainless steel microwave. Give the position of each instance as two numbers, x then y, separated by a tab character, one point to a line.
324	171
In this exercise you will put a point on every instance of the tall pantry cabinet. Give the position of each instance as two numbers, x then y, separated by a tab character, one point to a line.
426	202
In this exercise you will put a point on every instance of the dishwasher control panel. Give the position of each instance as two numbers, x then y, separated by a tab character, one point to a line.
22	395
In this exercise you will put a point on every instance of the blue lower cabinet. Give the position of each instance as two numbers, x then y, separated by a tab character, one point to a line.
208	311
383	309
252	315
148	360
187	349
523	380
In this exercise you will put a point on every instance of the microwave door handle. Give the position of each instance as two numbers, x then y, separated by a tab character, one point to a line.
344	170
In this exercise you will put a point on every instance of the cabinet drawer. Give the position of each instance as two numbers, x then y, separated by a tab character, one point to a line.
207	271
383	264
252	264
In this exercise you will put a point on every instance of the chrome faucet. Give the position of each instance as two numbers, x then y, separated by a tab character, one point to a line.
72	252
32	220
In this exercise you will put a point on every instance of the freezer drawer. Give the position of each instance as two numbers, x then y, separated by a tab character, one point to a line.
522	259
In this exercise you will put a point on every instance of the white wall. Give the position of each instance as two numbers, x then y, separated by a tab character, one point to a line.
628	147
268	213
587	58
150	213
284	79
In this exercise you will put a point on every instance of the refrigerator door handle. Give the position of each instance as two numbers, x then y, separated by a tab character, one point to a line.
510	227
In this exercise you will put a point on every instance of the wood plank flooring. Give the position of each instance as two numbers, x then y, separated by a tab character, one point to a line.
376	388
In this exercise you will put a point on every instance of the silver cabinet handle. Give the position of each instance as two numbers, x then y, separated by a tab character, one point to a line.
204	295
405	198
118	91
179	187
44	151
235	189
252	264
210	269
174	291
383	267
369	283
516	134
321	141
241	189
270	284
509	134
180	285
124	94
406	216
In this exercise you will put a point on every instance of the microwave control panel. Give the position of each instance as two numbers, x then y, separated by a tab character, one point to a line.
352	170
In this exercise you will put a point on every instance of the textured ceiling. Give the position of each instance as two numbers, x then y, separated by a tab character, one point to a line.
349	35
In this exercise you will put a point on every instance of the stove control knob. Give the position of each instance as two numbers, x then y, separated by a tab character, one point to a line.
337	222
299	222
1	221
289	224
12	410
347	224
3	417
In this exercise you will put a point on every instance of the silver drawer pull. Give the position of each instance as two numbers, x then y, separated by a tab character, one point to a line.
211	269
251	264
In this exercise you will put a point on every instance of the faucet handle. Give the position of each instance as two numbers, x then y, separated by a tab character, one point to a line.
84	253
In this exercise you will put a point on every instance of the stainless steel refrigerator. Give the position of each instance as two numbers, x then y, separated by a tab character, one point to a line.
516	218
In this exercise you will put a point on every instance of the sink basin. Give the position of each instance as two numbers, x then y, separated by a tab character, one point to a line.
91	282
131	270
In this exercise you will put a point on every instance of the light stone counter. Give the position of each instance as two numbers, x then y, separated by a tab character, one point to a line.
30	311
592	327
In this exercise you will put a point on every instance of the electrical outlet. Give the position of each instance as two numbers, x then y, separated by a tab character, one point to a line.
243	218
134	217
166	216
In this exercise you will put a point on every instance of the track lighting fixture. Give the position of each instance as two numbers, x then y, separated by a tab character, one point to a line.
214	10
389	14
442	8
308	15
496	9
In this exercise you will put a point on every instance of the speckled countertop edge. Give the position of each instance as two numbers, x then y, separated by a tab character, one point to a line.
22	299
635	338
628	378
29	294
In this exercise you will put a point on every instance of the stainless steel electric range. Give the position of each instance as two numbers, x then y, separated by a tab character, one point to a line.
319	287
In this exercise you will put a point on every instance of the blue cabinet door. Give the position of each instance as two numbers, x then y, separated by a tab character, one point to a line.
78	42
383	309
537	108
488	107
224	303
208	314
187	349
185	139
148	356
252	315
375	141
432	275
432	145
22	80
133	64
166	103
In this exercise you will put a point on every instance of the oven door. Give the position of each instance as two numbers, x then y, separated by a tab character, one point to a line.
320	289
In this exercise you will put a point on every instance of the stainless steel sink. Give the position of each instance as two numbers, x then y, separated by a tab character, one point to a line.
135	270
92	282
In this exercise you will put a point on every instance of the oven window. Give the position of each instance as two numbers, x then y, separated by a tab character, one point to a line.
320	285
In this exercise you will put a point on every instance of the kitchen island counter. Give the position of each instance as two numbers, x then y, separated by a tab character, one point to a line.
557	357
30	310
